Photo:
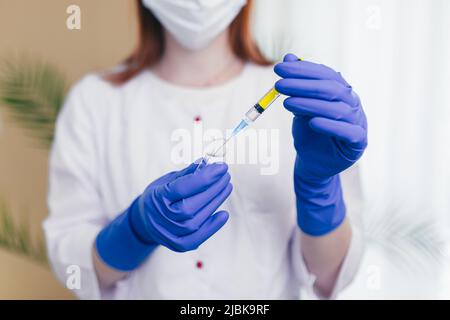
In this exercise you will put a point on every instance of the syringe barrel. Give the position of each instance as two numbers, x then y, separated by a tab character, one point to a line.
252	114
266	101
262	105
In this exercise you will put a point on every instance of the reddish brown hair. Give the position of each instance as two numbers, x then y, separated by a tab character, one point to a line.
151	43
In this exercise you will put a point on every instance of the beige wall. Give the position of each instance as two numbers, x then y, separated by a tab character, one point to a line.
38	28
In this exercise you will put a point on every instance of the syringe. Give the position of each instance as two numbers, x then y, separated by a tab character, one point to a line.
250	116
257	110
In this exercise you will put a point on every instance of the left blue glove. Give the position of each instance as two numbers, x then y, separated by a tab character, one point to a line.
177	211
330	135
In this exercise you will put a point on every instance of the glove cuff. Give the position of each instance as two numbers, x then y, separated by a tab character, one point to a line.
320	205
118	245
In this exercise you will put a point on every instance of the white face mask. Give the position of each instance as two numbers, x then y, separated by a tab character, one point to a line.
195	23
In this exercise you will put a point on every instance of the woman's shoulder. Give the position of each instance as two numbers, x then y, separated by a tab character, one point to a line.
90	86
94	89
98	82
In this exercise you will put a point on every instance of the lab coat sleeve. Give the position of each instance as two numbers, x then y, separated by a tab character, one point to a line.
75	211
353	197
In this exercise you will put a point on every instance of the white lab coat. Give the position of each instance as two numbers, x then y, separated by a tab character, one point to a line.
111	142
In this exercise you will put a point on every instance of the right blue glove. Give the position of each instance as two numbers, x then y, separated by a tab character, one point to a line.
330	135
176	211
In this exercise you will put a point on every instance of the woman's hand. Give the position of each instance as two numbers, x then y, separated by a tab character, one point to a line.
330	135
330	128
177	211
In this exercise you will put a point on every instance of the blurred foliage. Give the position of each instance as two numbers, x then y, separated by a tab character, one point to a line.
15	237
33	91
412	242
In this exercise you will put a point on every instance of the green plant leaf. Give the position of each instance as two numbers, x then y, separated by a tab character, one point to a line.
34	93
15	237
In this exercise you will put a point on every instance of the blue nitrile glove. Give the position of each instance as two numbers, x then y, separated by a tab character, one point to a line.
330	135
176	211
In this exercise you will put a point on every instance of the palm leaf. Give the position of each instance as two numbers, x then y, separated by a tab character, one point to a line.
15	237
34	92
412	242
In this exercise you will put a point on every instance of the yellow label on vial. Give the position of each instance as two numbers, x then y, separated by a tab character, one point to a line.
270	97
